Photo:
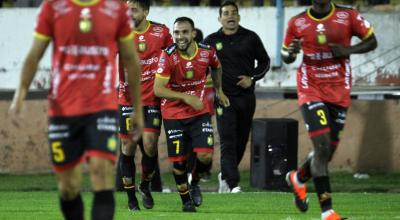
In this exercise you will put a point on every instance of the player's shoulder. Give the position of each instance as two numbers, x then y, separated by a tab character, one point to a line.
170	49
344	7
204	46
299	15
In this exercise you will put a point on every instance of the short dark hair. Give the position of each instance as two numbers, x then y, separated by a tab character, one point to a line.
185	19
227	3
145	4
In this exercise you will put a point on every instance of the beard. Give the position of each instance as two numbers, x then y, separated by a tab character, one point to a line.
185	47
137	22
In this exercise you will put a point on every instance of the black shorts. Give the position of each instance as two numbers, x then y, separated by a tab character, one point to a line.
152	120
72	139
185	135
322	117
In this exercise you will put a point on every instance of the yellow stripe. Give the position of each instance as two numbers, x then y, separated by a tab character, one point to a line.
370	32
129	187
190	58
324	18
146	29
184	193
162	77
126	38
41	36
284	46
89	3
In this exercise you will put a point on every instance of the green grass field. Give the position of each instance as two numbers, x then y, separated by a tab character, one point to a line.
35	197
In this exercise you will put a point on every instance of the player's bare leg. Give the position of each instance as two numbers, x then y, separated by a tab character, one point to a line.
128	169
102	173
69	183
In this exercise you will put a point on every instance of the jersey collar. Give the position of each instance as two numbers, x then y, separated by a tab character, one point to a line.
189	58
324	18
146	29
84	4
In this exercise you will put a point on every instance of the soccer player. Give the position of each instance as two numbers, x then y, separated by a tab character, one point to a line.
86	35
238	50
180	81
150	39
324	33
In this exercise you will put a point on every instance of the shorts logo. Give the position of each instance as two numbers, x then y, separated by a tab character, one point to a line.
112	143
210	140
220	111
218	46
156	122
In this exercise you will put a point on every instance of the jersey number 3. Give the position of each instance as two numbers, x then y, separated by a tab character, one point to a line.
322	117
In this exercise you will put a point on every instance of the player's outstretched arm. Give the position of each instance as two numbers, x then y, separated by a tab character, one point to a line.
364	46
29	69
131	62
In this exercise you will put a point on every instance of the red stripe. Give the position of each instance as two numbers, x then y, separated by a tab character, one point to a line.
62	168
125	136
203	149
101	154
151	130
319	132
177	158
335	143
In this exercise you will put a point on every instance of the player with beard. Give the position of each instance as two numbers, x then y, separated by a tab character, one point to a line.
150	38
324	33
180	82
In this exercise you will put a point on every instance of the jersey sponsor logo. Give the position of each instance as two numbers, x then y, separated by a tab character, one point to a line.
74	76
304	77
342	15
107	124
81	67
300	22
321	38
157	29
314	105
204	60
204	54
141	38
76	50
160	70
149	61
162	60
218	46
85	24
174	131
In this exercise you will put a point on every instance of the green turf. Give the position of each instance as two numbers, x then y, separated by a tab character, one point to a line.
35	197
252	205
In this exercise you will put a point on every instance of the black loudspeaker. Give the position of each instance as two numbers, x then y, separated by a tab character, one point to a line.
273	152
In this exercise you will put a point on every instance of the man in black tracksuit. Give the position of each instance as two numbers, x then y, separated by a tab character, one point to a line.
244	61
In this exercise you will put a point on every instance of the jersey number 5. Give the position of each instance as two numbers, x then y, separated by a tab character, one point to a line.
58	152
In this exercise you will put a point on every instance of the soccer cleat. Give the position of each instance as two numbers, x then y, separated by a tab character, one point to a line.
195	193
223	185
300	191
236	189
133	206
331	215
188	206
148	201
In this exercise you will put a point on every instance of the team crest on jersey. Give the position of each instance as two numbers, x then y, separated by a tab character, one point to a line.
142	46
218	46
321	37
189	74
85	24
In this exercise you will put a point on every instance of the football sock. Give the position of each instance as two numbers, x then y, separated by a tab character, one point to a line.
128	168
103	205
304	172
198	168
72	209
148	167
323	188
180	180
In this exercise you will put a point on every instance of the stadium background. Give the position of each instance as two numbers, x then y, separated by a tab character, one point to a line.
371	139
